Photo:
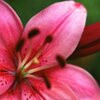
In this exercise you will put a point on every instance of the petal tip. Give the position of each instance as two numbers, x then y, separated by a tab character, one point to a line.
80	6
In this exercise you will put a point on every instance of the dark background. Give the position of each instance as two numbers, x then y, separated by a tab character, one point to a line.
28	8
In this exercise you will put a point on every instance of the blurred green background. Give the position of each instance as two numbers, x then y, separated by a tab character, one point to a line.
28	8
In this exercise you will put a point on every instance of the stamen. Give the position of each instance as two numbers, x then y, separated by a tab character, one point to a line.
48	39
20	45
41	68
33	76
61	61
34	60
27	56
36	56
33	33
19	62
35	89
47	82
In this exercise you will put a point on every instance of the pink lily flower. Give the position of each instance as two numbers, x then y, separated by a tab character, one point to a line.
90	41
32	65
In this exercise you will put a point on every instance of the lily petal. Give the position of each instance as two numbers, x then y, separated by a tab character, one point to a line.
38	90
10	26
12	94
80	81
58	91
6	62
63	22
29	93
6	81
90	41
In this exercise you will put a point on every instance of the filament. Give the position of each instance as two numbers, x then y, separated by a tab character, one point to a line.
41	68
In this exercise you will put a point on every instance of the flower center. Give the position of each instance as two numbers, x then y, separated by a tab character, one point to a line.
24	71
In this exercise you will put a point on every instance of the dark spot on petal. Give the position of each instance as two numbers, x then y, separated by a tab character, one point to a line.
33	33
48	39
2	84
5	82
44	60
61	61
25	49
25	94
20	45
0	80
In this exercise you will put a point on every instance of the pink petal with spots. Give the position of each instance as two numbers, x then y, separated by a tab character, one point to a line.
37	90
10	26
6	62
80	81
6	80
12	94
64	21
28	93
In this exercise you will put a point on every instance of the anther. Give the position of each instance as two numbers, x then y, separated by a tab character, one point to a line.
33	33
61	61
20	45
48	39
47	82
